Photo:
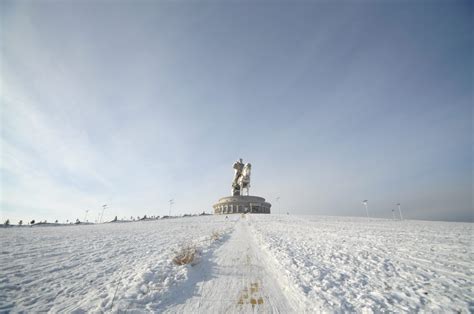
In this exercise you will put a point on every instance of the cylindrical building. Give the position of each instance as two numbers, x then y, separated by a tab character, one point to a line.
242	204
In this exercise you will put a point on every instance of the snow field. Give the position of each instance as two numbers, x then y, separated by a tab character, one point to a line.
353	264
126	266
243	264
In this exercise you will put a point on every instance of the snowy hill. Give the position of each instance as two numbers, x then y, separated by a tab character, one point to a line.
251	263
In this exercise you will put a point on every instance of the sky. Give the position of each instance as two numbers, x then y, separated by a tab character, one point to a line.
134	103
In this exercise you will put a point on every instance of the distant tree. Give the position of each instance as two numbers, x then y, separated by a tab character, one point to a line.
77	221
32	222
144	217
20	222
115	219
7	222
67	221
131	218
56	221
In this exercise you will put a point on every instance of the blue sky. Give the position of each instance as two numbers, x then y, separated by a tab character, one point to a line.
131	104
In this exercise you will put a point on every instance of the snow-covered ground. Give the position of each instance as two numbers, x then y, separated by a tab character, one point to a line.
98	267
355	264
259	263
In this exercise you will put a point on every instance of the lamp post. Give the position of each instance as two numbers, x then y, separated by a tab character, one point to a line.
102	215
171	201
365	202
400	211
85	216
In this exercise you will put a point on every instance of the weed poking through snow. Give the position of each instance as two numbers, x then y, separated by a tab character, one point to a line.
189	253
186	255
215	236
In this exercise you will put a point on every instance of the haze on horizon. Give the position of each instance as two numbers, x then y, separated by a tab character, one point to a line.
131	104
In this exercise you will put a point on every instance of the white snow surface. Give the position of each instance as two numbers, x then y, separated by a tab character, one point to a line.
375	265
245	264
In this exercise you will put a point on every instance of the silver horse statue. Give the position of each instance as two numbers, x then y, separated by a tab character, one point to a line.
244	179
241	177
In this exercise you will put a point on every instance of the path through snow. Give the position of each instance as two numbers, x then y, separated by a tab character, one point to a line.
237	277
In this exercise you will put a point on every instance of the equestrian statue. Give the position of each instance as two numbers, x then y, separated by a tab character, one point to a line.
241	177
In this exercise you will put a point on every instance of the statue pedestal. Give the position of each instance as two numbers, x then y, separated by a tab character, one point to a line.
242	204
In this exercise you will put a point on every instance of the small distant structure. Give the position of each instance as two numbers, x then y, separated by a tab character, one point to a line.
104	207
400	211
365	202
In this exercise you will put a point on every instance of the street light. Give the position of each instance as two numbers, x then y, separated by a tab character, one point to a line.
400	211
366	207
102	215
171	203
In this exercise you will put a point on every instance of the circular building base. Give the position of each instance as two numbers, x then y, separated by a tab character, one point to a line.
242	204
